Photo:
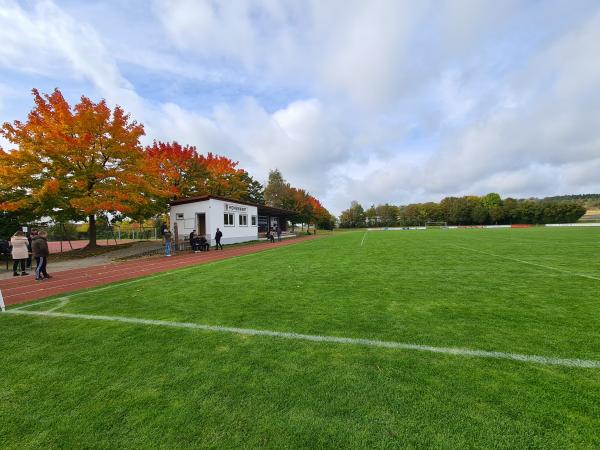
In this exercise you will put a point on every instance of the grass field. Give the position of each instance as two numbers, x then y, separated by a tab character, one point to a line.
532	296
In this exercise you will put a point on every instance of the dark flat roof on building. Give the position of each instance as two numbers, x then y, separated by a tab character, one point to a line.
262	209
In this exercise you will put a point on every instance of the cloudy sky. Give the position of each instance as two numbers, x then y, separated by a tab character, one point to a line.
379	101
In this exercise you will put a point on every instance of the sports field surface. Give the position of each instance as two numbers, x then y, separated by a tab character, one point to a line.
408	339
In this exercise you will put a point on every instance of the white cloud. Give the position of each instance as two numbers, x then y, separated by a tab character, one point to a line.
49	41
384	101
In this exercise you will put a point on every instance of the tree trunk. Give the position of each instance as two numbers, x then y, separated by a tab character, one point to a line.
92	231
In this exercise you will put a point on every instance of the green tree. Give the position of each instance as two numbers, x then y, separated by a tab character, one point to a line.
371	217
353	217
255	190
480	215
491	200
277	192
388	215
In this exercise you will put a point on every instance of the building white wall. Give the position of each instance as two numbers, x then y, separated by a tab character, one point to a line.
215	210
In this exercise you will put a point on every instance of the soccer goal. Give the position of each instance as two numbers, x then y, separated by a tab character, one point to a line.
429	225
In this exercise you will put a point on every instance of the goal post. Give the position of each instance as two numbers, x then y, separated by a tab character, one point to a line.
433	225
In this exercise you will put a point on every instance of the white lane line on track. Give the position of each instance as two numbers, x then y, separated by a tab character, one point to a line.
544	360
591	277
158	262
115	270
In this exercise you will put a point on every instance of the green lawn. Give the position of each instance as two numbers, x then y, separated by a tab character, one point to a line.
70	382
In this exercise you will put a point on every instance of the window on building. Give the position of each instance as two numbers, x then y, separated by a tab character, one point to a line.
253	221
243	218
179	216
228	220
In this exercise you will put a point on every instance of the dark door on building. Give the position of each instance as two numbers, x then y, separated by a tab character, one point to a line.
201	217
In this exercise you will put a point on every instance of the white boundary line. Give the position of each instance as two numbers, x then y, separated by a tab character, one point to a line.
591	277
544	360
363	239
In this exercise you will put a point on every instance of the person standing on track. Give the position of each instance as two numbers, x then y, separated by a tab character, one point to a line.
278	233
40	252
20	252
167	238
218	236
30	236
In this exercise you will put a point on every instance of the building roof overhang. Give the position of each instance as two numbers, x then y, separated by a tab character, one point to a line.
262	209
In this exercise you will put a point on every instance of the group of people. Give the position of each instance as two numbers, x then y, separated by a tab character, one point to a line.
271	232
24	248
198	243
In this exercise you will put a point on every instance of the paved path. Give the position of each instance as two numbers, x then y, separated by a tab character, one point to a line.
23	289
79	263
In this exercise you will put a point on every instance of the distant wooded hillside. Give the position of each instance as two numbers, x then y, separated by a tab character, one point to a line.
588	200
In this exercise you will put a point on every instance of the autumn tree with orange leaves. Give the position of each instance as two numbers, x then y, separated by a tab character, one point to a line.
281	194
179	169
183	172
73	162
80	162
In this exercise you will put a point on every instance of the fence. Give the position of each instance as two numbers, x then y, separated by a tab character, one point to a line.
68	237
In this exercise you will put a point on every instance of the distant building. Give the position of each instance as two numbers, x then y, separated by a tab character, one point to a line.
238	220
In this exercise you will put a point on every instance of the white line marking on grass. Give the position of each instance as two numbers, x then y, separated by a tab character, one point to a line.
545	360
29	305
363	239
63	302
591	277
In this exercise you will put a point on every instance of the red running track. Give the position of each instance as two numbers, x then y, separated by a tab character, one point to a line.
23	289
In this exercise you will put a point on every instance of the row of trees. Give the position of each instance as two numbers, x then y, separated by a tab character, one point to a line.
469	210
84	162
280	194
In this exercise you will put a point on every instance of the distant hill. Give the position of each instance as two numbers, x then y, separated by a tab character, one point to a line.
589	200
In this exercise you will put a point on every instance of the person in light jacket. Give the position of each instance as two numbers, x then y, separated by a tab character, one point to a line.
20	252
40	252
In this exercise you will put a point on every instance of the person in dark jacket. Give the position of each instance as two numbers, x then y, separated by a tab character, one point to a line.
39	249
30	236
218	236
193	241
203	244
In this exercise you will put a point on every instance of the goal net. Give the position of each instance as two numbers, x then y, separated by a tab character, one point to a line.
429	225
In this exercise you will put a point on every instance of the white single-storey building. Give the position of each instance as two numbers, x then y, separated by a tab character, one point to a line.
239	221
